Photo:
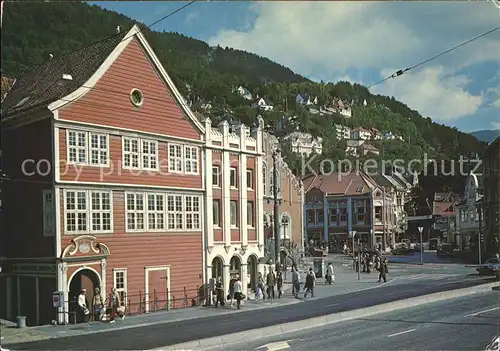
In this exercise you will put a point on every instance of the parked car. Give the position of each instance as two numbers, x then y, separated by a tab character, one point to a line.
490	267
445	249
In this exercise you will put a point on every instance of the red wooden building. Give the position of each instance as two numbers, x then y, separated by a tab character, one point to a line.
103	183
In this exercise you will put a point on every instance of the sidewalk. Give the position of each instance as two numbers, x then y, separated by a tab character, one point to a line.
345	282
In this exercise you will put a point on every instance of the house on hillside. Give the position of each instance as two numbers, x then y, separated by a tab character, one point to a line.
360	133
263	105
342	132
367	148
376	135
244	93
117	194
303	143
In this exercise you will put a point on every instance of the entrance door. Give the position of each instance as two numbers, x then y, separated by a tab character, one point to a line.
84	279
252	271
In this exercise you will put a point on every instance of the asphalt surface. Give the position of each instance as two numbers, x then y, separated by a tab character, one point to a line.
165	334
467	323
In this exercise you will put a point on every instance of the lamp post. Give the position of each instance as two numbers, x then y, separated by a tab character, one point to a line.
480	232
420	230
276	207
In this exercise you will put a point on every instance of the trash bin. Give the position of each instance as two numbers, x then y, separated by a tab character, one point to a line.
21	322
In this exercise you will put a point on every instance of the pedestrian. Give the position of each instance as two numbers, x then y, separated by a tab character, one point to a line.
295	282
329	275
238	291
346	250
261	287
115	306
230	295
83	310
309	286
98	305
383	270
271	281
219	293
279	283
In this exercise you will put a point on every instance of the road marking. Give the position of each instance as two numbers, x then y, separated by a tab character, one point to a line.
275	346
333	304
400	333
477	313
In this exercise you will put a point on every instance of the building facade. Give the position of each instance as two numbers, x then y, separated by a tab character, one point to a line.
491	170
290	197
106	161
303	143
234	203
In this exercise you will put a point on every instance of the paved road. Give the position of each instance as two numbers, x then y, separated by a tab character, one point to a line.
467	323
164	334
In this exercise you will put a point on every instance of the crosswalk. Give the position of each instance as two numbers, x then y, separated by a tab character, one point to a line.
429	276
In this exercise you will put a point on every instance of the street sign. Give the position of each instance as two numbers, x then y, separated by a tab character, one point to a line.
420	229
58	299
352	234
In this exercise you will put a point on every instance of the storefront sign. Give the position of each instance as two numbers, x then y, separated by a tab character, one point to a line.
34	268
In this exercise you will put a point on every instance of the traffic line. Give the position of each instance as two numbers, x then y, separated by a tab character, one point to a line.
275	346
478	313
401	333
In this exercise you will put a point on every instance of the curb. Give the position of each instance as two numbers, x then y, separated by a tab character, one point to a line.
285	328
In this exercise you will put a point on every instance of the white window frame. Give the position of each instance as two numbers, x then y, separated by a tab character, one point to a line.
49	213
216	169
192	162
136	195
149	159
218	224
175	212
100	149
192	213
235	225
250	177
87	211
100	211
76	147
235	170
175	161
251	214
131	153
155	212
122	291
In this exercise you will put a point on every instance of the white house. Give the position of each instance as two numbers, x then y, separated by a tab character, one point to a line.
244	93
263	105
342	132
234	208
303	143
360	134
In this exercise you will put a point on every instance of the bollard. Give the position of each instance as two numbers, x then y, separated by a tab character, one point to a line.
21	322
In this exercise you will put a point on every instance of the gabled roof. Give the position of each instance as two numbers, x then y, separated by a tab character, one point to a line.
339	184
367	146
44	84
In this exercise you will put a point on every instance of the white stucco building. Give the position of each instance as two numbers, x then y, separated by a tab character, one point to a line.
303	143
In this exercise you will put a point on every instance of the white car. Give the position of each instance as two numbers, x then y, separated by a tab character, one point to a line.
494	345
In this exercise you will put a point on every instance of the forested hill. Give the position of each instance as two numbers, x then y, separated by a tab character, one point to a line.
33	30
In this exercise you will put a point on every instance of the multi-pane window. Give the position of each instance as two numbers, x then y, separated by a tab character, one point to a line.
320	216
77	147
192	211
310	217
135	211
48	213
234	213
98	149
250	209
191	159
216	212
100	211
233	179
183	159
156	211
174	158
120	283
343	214
333	216
264	178
88	211
215	176
130	153
174	211
149	154
249	179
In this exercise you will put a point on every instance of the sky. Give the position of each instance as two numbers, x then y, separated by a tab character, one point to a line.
361	42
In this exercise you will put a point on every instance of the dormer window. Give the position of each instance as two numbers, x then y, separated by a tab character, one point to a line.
136	97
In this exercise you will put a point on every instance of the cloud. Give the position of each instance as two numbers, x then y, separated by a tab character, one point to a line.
326	39
495	125
191	17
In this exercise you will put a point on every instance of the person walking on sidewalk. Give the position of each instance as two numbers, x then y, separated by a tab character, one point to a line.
219	293
261	286
271	281
115	306
329	275
295	282
279	283
310	282
383	270
98	304
238	291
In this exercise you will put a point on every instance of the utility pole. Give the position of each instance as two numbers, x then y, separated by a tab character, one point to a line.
421	229
276	209
480	233
384	217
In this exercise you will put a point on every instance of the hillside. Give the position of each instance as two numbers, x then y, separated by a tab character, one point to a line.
486	135
204	74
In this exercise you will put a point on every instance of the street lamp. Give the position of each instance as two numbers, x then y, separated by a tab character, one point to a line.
421	229
352	233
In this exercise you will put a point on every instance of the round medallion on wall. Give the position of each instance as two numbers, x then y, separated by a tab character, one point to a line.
84	248
136	97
